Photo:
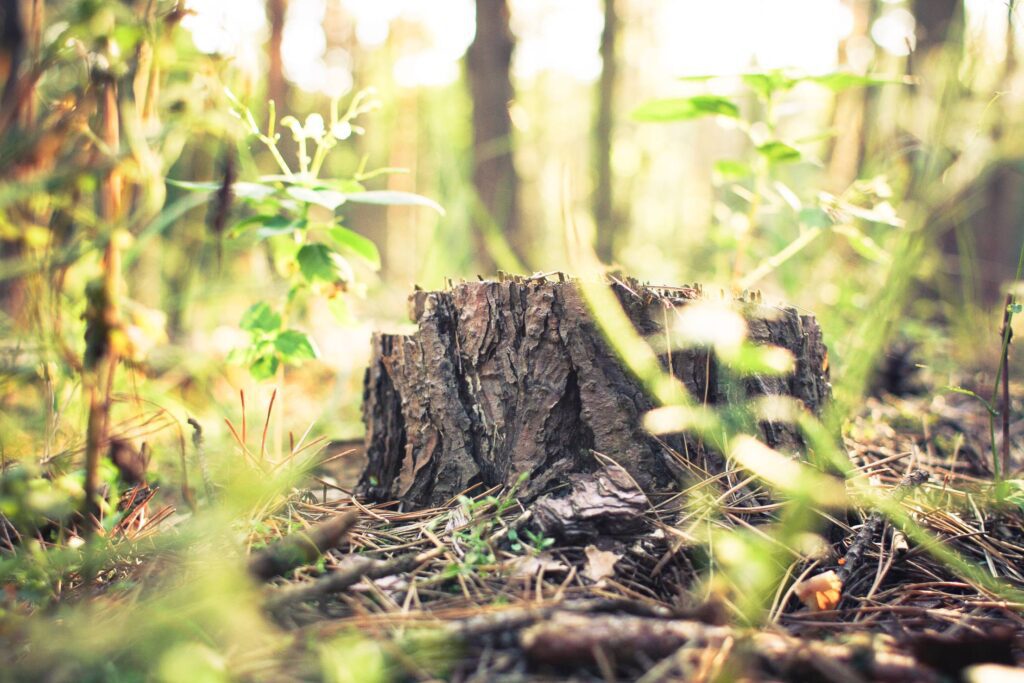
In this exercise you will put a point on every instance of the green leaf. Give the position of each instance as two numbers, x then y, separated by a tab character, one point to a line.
394	198
264	367
767	83
731	169
269	225
319	263
751	359
815	217
686	109
1015	309
242	190
778	152
346	185
862	244
967	392
844	80
329	199
295	346
357	244
260	318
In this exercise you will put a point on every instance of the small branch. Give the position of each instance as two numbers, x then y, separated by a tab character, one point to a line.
342	579
855	554
301	547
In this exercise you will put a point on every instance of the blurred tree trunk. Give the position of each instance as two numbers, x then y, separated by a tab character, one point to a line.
849	118
605	218
981	252
488	63
939	23
21	25
997	228
277	86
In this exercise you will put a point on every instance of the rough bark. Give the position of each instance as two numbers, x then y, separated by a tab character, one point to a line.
513	378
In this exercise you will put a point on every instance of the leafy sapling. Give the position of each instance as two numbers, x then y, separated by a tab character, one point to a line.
298	213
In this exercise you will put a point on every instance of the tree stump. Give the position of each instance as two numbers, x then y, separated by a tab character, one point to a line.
512	382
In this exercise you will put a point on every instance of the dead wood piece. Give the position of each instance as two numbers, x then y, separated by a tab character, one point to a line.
571	639
355	570
605	503
301	547
568	639
511	378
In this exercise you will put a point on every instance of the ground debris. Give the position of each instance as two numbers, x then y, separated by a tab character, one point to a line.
572	595
607	503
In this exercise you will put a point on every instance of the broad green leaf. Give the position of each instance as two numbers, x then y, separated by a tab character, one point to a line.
346	185
260	318
393	198
779	152
242	190
361	246
883	213
844	80
246	190
268	225
862	244
264	367
767	83
240	356
329	199
815	217
320	263
686	108
295	346
731	169
343	185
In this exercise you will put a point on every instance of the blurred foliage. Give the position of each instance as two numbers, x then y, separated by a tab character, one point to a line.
138	222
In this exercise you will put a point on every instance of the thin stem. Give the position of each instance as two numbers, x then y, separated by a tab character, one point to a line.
271	144
1002	373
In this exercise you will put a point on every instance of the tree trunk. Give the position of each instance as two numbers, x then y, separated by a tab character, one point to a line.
488	63
277	86
513	378
849	118
603	203
938	22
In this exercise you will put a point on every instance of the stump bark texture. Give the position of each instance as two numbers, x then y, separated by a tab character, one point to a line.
511	382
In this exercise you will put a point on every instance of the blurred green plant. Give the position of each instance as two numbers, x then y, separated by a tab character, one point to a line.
297	213
756	180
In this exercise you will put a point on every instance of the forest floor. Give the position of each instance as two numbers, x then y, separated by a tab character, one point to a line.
468	592
510	606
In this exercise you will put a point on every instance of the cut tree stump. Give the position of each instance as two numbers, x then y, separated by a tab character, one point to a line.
512	382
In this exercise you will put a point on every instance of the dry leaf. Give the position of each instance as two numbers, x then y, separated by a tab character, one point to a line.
531	565
600	563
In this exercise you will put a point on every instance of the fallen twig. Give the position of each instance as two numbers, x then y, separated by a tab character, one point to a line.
301	547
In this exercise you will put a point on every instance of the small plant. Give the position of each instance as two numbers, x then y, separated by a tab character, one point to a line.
534	543
477	534
297	212
998	405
